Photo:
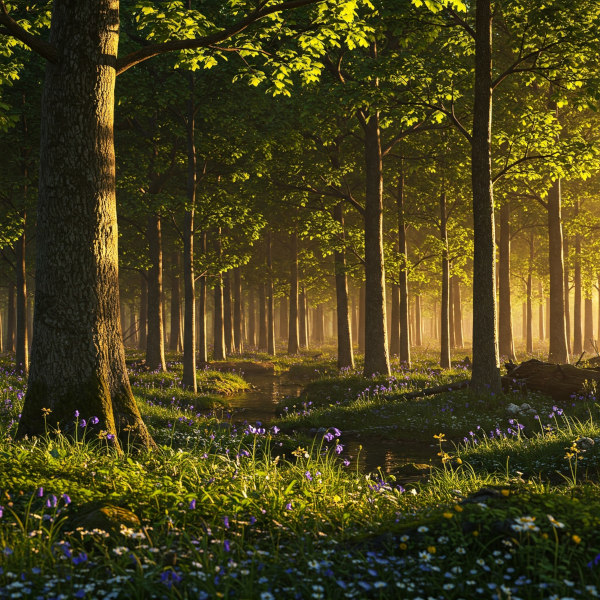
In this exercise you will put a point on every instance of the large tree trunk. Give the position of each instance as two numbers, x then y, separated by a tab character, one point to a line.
227	313
376	350
451	314
486	363
558	334
345	358
577	333
155	347
22	352
458	318
293	334
189	285
361	318
11	318
505	328
262	318
445	312
77	356
174	339
237	310
270	300
395	321
404	350
143	326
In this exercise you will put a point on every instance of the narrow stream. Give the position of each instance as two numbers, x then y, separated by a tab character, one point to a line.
367	452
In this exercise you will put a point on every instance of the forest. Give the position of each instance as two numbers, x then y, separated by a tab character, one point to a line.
299	299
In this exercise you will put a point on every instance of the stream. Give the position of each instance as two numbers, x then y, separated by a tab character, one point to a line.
366	451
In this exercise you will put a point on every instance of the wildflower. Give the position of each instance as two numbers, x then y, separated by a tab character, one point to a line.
40	492
555	523
94	420
227	546
83	423
424	556
505	493
339	448
448	515
423	529
441	437
431	549
594	562
193	504
525	524
226	521
66	499
308	476
576	538
76	414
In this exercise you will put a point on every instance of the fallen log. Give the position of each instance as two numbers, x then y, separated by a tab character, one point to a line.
560	382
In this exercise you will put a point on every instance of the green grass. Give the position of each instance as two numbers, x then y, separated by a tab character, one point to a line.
235	512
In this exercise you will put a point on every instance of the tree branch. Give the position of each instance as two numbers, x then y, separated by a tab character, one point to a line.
138	56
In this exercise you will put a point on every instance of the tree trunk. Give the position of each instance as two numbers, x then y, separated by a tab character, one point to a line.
451	314
361	319
486	362
530	296
22	352
404	348
77	358
189	283
251	319
262	318
577	333
567	293
133	326
283	318
270	300
355	318
201	311
505	328
345	358
445	314
541	320
395	321
11	318
319	325
376	350
174	340
227	313
237	310
558	334
588	337
458	320
143	327
418	321
293	335
155	348
218	322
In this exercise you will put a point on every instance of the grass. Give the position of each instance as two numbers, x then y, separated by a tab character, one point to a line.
226	511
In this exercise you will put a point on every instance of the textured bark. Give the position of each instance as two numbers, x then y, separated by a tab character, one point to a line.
293	331
486	363
529	337
445	312
201	311
558	334
404	350
451	314
355	318
567	294
302	318
505	328
10	318
227	313
188	379
270	299
21	338
143	326
218	325
395	321
237	310
251	318
77	357
588	330
345	357
541	320
319	324
577	332
376	350
283	318
262	318
174	339
155	347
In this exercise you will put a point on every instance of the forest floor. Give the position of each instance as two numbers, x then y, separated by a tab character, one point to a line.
505	506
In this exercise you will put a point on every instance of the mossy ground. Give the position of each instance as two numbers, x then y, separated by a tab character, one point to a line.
242	512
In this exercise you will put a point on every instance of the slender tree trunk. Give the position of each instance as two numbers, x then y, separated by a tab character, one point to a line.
302	319
143	328
77	357
189	281
293	335
541	320
418	322
355	318
22	352
558	333
588	343
451	314
133	325
227	313
345	358
567	293
376	350
404	348
155	348
219	347
505	328
270	299
361	319
395	322
11	318
436	333
486	362
174	340
530	296
237	310
458	320
262	318
283	318
201	311
577	333
251	318
319	325
445	314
